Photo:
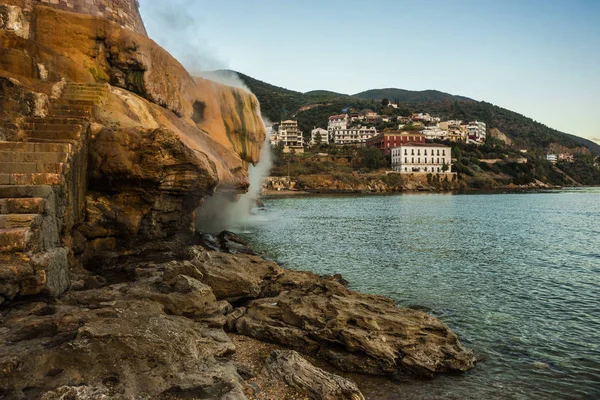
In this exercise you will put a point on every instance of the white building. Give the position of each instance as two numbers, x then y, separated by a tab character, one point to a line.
357	135
434	132
421	117
338	122
553	158
314	135
425	158
477	131
290	136
451	124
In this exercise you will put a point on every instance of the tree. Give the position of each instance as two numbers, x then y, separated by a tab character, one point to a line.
385	102
445	167
277	154
456	153
371	157
318	138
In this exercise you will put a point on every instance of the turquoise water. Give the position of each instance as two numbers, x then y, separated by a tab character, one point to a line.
516	276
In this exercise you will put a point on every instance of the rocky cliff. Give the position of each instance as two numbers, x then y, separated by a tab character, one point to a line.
155	141
107	148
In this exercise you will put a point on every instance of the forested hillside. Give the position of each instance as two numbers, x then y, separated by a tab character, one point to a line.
313	108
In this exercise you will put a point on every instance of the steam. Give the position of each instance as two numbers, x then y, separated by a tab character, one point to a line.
225	77
181	34
222	212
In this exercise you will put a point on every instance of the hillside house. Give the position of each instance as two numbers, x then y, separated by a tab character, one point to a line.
385	141
422	158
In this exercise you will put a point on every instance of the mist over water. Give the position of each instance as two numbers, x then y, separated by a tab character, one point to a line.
221	212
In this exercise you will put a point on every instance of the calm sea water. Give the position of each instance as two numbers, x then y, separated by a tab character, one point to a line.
516	276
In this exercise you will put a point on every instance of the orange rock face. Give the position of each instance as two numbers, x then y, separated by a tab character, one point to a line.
157	140
88	49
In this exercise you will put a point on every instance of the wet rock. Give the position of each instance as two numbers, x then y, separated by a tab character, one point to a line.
234	277
77	393
149	337
353	331
295	371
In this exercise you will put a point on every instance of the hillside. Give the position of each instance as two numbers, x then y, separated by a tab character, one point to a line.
278	103
408	96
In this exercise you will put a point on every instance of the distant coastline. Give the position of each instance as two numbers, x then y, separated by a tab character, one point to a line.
375	185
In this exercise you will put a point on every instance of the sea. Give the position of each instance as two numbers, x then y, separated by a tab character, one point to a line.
515	275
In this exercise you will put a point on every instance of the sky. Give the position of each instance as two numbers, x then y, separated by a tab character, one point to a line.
538	58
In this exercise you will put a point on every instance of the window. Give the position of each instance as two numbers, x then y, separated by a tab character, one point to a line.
412	152
405	160
419	152
438	153
443	152
419	160
425	154
438	161
425	160
412	160
405	152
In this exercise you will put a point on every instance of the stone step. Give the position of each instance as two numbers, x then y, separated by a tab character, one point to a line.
36	147
71	102
72	88
32	157
82	108
30	179
88	97
12	221
26	191
71	114
14	239
31	167
52	120
33	205
72	142
80	84
51	135
55	127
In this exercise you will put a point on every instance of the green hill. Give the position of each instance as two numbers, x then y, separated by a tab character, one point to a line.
278	103
408	96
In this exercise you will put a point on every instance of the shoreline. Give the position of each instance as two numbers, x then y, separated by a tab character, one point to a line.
335	192
241	306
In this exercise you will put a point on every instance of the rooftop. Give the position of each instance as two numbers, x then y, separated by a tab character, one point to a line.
403	133
423	145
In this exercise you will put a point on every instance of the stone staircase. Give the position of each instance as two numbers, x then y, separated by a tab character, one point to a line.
42	186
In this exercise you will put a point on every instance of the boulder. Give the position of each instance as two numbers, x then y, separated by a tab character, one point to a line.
355	332
318	384
234	277
155	337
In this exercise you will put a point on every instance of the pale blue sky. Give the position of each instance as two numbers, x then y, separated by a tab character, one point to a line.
539	58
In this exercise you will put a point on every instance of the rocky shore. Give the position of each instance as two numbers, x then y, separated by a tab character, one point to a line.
109	148
380	183
168	321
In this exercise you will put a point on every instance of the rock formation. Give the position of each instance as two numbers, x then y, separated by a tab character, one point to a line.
161	313
107	148
319	384
117	141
